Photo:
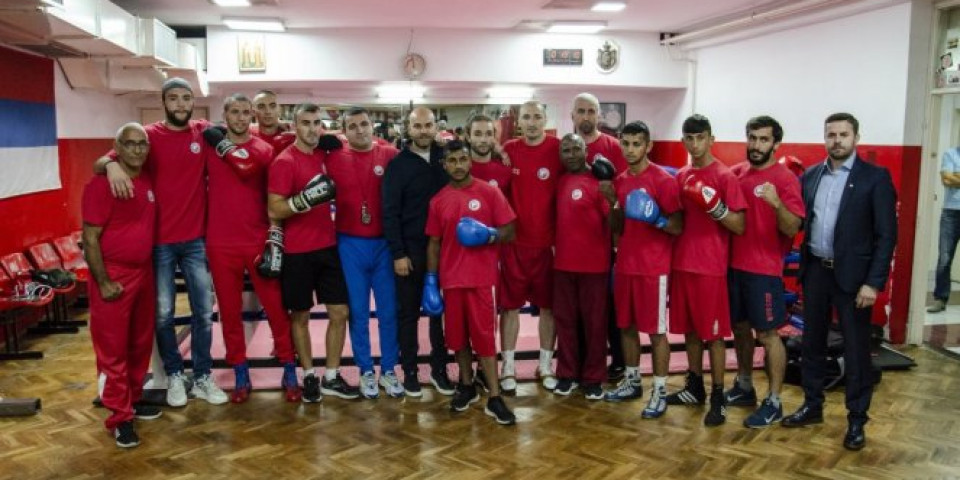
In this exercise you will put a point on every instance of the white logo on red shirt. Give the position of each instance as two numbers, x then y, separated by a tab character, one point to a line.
195	147
494	183
543	173
758	191
576	194
473	205
515	171
150	197
378	171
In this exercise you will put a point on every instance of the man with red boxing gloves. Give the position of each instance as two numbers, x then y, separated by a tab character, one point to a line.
699	306
299	193
237	226
467	269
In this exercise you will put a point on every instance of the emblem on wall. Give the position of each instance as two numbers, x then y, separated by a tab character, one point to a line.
608	56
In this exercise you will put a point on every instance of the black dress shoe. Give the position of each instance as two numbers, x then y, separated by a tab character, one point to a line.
855	438
806	415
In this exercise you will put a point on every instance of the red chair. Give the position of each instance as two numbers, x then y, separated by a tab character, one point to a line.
18	267
72	257
16	295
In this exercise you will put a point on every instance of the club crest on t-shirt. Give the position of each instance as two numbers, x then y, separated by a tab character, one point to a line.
543	173
493	182
473	205
150	197
378	170
576	194
758	191
195	147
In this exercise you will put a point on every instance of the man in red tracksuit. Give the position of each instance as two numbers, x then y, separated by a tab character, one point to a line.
118	243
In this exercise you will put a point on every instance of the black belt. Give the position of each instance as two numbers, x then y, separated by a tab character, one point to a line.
824	262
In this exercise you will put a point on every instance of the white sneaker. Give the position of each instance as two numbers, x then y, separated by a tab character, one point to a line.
368	385
547	378
205	388
391	385
176	390
508	378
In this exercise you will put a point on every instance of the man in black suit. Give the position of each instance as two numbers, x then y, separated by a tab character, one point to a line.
851	231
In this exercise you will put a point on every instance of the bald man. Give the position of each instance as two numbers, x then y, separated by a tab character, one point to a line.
118	244
411	180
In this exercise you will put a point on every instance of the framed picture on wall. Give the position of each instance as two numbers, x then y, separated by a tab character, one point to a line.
251	53
612	116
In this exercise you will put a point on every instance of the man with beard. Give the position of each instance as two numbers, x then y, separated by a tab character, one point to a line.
237	227
268	126
586	121
367	265
755	279
851	225
482	140
527	263
465	222
411	180
176	166
699	304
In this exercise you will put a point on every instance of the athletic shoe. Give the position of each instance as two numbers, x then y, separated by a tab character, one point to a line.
738	397
440	381
391	385
125	435
628	389
290	384
204	388
693	392
480	380
176	390
717	415
547	378
657	405
497	409
146	412
565	387
311	389
615	373
411	385
463	397
766	415
508	384
338	387
368	385
242	387
593	391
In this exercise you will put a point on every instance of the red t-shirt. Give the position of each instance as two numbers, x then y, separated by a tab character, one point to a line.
128	225
359	176
533	190
761	247
237	208
610	148
583	235
645	249
289	173
177	168
704	245
493	172
467	266
280	140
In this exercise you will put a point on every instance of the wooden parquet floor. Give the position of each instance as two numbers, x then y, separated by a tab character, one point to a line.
914	434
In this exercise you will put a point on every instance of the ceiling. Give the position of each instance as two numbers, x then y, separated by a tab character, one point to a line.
675	16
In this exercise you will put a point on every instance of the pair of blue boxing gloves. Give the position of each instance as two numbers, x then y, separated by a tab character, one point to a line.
470	233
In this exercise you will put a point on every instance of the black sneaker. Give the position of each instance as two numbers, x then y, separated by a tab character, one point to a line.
480	380
615	373
146	412
441	382
565	387
693	392
338	387
463	397
411	385
717	415
738	397
497	409
593	391
311	389
125	435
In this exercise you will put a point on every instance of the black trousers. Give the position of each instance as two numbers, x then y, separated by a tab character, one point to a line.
409	295
820	295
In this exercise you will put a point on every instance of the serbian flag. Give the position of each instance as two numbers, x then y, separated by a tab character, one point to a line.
28	125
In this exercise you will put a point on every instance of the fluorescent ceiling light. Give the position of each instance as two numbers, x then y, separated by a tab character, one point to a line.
256	24
400	92
576	27
608	6
232	3
518	93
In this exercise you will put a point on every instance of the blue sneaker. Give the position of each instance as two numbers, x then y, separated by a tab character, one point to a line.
242	387
657	405
766	415
289	383
738	397
628	389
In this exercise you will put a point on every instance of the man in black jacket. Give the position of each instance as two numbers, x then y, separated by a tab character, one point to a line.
851	232
411	180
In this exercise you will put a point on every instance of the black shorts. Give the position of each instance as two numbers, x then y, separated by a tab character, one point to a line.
757	299
317	271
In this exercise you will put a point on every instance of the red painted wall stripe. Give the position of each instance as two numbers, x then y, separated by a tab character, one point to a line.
25	77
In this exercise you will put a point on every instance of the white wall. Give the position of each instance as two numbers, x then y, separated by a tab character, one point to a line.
90	114
857	64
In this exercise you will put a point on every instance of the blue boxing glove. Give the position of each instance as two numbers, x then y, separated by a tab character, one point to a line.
472	233
641	207
432	303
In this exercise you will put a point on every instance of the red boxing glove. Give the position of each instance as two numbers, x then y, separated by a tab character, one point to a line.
238	158
706	197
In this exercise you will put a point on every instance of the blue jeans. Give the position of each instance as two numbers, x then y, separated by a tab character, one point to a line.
191	257
949	235
367	264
